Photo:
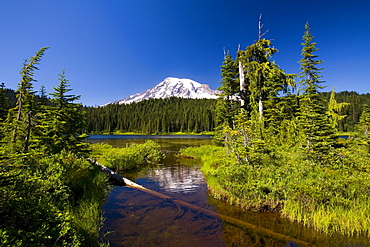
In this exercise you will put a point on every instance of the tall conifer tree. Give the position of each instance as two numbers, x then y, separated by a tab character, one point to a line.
335	109
227	105
265	82
63	123
313	120
25	106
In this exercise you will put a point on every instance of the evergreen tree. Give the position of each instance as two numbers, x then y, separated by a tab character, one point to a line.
266	81
62	124
335	109
25	107
258	68
313	120
3	102
43	99
227	105
364	124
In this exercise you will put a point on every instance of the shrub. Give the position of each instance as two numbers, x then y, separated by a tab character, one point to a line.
129	157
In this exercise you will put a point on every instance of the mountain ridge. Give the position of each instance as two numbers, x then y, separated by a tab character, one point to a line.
172	87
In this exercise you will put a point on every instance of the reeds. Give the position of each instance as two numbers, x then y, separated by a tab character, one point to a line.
331	198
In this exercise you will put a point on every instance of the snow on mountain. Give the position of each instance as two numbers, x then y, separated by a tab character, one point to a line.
173	87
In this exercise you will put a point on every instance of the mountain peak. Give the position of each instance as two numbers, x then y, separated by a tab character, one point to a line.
173	87
172	81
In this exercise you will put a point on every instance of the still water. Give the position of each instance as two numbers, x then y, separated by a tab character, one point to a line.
134	218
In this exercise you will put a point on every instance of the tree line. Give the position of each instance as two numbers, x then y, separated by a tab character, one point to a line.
353	110
164	115
153	116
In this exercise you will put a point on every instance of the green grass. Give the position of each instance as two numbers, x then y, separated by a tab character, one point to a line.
117	132
130	157
329	198
192	133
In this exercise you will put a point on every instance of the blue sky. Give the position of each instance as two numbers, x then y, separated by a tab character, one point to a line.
114	48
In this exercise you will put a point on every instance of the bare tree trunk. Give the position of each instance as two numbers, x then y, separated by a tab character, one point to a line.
260	26
242	83
18	117
260	107
366	132
246	141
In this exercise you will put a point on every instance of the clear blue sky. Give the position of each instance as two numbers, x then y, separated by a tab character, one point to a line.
114	48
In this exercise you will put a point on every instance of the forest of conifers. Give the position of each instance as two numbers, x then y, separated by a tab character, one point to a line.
157	116
153	116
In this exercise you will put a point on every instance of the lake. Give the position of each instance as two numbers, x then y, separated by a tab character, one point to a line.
135	218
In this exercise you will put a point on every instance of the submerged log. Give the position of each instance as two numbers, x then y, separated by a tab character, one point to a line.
264	231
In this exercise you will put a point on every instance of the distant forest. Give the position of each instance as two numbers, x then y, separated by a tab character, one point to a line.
153	116
353	111
159	116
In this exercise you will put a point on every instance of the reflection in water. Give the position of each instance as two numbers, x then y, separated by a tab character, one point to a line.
134	218
178	179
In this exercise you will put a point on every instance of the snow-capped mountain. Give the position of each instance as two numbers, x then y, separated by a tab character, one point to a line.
173	87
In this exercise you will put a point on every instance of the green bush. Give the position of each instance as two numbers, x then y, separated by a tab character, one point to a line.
129	157
45	203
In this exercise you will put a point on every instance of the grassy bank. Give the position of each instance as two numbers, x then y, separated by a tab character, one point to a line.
138	133
332	198
130	157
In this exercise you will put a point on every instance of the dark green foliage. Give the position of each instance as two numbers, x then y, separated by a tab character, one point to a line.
364	124
25	96
263	105
22	124
256	63
313	120
42	99
228	104
353	111
266	84
153	116
3	102
42	199
62	124
347	124
11	97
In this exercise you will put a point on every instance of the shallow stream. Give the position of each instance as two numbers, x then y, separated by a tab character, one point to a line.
135	218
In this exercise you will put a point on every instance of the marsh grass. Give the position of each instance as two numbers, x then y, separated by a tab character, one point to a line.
130	157
331	198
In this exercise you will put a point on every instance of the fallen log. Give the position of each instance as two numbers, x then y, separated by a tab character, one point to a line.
264	231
